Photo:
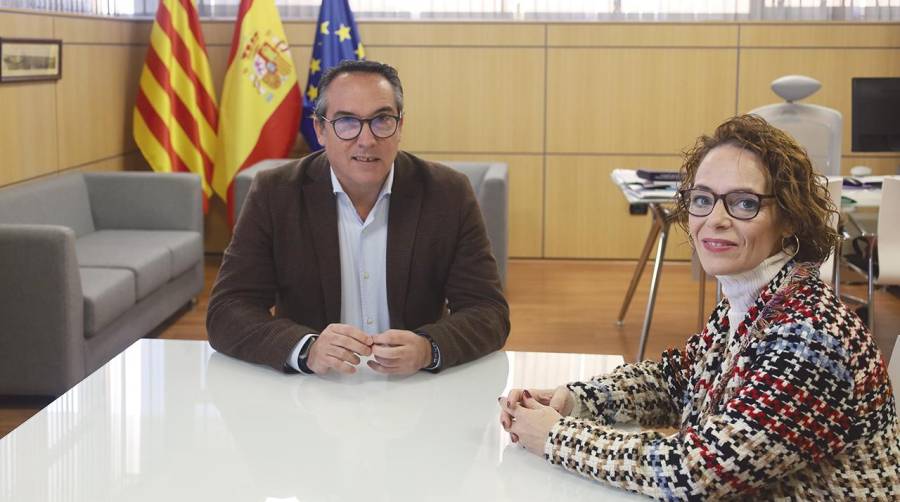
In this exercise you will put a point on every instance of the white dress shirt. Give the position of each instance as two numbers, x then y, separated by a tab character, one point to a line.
363	250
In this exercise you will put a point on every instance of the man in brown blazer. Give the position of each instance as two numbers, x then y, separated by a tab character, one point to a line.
360	248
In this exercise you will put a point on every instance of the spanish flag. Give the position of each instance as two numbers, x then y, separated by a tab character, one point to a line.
260	111
174	122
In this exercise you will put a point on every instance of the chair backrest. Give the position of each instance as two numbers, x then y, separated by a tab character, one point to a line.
835	187
894	371
889	232
489	181
817	128
244	179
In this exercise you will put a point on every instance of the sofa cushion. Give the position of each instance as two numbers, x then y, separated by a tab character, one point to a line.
151	263
108	293
185	247
155	256
60	200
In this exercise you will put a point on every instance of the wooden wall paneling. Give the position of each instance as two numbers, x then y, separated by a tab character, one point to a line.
526	198
880	165
218	64
217	33
300	34
95	101
25	25
301	55
28	136
831	35
833	67
455	34
97	30
470	99
129	161
636	101
587	215
641	35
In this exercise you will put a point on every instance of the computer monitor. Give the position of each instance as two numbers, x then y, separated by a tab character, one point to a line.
876	115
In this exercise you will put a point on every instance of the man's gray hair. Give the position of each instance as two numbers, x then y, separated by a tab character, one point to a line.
352	66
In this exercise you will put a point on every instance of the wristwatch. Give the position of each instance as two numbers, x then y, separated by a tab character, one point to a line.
304	355
435	353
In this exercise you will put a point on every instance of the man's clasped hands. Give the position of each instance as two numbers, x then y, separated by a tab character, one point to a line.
394	352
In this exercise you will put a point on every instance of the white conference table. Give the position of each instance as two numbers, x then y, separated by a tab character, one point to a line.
175	420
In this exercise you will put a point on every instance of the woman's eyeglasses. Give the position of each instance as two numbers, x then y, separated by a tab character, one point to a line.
738	204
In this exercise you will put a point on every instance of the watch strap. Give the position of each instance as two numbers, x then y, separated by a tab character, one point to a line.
435	353
304	355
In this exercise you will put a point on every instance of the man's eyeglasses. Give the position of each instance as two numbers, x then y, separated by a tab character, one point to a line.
739	205
348	127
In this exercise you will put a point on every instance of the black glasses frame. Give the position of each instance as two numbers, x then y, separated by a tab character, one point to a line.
362	123
686	201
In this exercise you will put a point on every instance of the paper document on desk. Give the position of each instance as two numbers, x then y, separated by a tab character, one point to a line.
641	189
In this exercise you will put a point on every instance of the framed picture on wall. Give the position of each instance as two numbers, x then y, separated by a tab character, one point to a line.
24	59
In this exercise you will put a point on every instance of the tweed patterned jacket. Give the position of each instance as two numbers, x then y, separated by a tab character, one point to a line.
798	406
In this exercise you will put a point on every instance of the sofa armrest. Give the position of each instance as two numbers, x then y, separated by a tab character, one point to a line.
41	311
145	201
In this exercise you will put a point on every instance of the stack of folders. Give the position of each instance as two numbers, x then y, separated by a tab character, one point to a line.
647	185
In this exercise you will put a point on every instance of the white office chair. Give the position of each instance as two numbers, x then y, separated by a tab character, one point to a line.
889	233
894	371
830	269
816	128
887	241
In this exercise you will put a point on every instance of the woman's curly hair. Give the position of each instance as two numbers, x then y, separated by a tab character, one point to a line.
804	205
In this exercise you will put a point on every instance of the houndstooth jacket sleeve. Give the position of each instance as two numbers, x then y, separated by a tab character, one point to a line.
806	410
647	393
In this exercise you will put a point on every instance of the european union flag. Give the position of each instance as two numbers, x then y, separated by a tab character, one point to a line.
337	39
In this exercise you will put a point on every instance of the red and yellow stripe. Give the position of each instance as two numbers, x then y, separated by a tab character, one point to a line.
175	114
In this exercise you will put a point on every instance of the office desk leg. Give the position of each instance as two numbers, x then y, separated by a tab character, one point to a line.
639	269
654	282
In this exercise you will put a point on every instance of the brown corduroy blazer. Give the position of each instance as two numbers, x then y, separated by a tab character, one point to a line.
285	253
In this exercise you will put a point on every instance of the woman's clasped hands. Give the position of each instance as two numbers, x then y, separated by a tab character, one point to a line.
529	414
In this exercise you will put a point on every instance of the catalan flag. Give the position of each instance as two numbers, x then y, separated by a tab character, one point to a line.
175	116
260	107
336	39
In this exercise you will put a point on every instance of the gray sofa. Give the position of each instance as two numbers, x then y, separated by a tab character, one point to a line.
489	180
89	263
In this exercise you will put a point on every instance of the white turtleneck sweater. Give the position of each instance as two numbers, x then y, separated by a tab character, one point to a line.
743	289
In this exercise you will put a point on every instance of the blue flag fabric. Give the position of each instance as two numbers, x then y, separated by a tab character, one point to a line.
336	39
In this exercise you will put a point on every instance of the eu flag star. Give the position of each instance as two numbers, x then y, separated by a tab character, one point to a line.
315	66
323	28
343	32
360	51
312	93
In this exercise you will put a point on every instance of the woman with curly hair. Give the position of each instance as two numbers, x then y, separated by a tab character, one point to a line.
783	395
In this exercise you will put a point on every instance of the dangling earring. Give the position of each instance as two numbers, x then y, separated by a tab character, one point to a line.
796	246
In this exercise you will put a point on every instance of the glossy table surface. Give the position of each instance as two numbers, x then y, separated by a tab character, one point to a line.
175	420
